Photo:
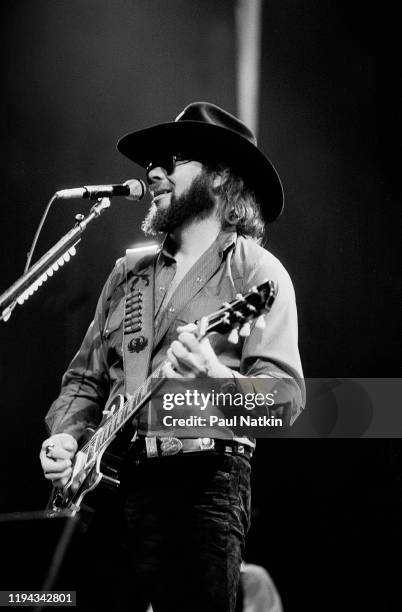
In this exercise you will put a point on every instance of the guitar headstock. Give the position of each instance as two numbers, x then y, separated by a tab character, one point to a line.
236	316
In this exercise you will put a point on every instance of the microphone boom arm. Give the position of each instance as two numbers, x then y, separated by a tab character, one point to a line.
49	263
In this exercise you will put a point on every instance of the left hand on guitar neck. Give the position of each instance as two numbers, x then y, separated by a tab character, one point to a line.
189	357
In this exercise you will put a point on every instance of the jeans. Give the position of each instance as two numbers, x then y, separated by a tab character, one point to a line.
185	521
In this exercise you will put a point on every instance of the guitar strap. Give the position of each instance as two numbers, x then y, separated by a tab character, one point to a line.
138	316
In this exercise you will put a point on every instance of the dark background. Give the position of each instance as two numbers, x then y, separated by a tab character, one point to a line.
78	75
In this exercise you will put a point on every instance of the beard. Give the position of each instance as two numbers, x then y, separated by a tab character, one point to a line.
194	204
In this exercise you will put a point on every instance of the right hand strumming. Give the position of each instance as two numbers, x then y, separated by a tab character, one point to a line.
56	456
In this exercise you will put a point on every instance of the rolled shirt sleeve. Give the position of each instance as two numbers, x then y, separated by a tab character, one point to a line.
272	352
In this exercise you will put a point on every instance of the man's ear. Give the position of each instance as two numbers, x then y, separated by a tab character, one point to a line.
219	178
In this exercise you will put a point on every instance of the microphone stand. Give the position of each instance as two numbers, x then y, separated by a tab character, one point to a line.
49	263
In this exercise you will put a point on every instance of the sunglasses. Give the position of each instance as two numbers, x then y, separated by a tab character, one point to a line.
169	162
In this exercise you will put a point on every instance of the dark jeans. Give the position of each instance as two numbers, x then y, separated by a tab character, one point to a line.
185	521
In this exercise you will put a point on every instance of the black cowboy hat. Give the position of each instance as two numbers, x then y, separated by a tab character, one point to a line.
205	131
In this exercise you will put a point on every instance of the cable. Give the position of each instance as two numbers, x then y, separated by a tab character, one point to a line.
10	308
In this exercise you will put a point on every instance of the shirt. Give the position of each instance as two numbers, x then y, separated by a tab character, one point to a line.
231	265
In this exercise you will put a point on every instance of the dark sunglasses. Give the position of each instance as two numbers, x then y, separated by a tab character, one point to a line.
169	162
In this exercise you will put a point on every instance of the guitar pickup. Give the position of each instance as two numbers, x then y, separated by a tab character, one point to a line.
109	480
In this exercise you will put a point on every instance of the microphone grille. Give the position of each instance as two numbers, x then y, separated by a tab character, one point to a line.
137	189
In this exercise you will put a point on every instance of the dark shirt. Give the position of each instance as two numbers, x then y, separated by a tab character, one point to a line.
231	265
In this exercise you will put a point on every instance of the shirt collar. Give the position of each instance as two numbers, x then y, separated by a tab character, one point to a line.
225	240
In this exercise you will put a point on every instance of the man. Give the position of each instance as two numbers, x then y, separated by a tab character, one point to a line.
185	508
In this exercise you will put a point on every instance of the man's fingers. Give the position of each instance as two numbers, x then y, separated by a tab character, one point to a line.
190	327
57	477
60	482
56	453
172	359
70	445
201	347
169	372
55	465
60	441
190	342
178	355
56	457
189	362
191	357
179	351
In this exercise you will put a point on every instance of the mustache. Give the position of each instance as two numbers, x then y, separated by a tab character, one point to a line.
159	187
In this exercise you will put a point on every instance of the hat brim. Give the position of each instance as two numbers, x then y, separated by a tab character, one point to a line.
215	143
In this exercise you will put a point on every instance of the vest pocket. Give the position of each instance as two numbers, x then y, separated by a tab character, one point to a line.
114	320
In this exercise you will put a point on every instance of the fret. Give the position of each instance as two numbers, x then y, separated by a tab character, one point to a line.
114	422
125	410
106	435
128	406
118	417
91	450
97	439
158	372
142	390
107	429
141	394
93	443
98	436
121	418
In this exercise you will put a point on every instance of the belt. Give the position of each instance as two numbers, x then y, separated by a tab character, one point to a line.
152	446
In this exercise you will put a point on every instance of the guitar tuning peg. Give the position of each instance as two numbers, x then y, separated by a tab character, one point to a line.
233	337
245	330
260	323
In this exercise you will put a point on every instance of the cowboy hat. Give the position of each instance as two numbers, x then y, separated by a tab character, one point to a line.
206	132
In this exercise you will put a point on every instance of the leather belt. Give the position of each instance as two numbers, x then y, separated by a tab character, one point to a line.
152	446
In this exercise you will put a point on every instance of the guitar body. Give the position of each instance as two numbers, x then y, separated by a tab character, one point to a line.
91	468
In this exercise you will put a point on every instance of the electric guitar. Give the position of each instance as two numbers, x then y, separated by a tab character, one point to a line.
90	467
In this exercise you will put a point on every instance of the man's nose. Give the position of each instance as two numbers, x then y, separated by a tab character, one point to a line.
157	174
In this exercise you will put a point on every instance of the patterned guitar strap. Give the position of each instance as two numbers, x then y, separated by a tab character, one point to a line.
138	315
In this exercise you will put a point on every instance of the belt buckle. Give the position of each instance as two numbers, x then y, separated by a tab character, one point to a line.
170	446
206	443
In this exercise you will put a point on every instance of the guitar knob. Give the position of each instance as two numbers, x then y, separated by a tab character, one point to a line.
260	323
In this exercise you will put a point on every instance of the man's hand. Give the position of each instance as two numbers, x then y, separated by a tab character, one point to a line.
189	357
56	458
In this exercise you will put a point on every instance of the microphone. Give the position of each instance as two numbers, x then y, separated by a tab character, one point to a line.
133	189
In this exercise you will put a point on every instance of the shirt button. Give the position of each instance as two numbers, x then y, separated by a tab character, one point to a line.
171	309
